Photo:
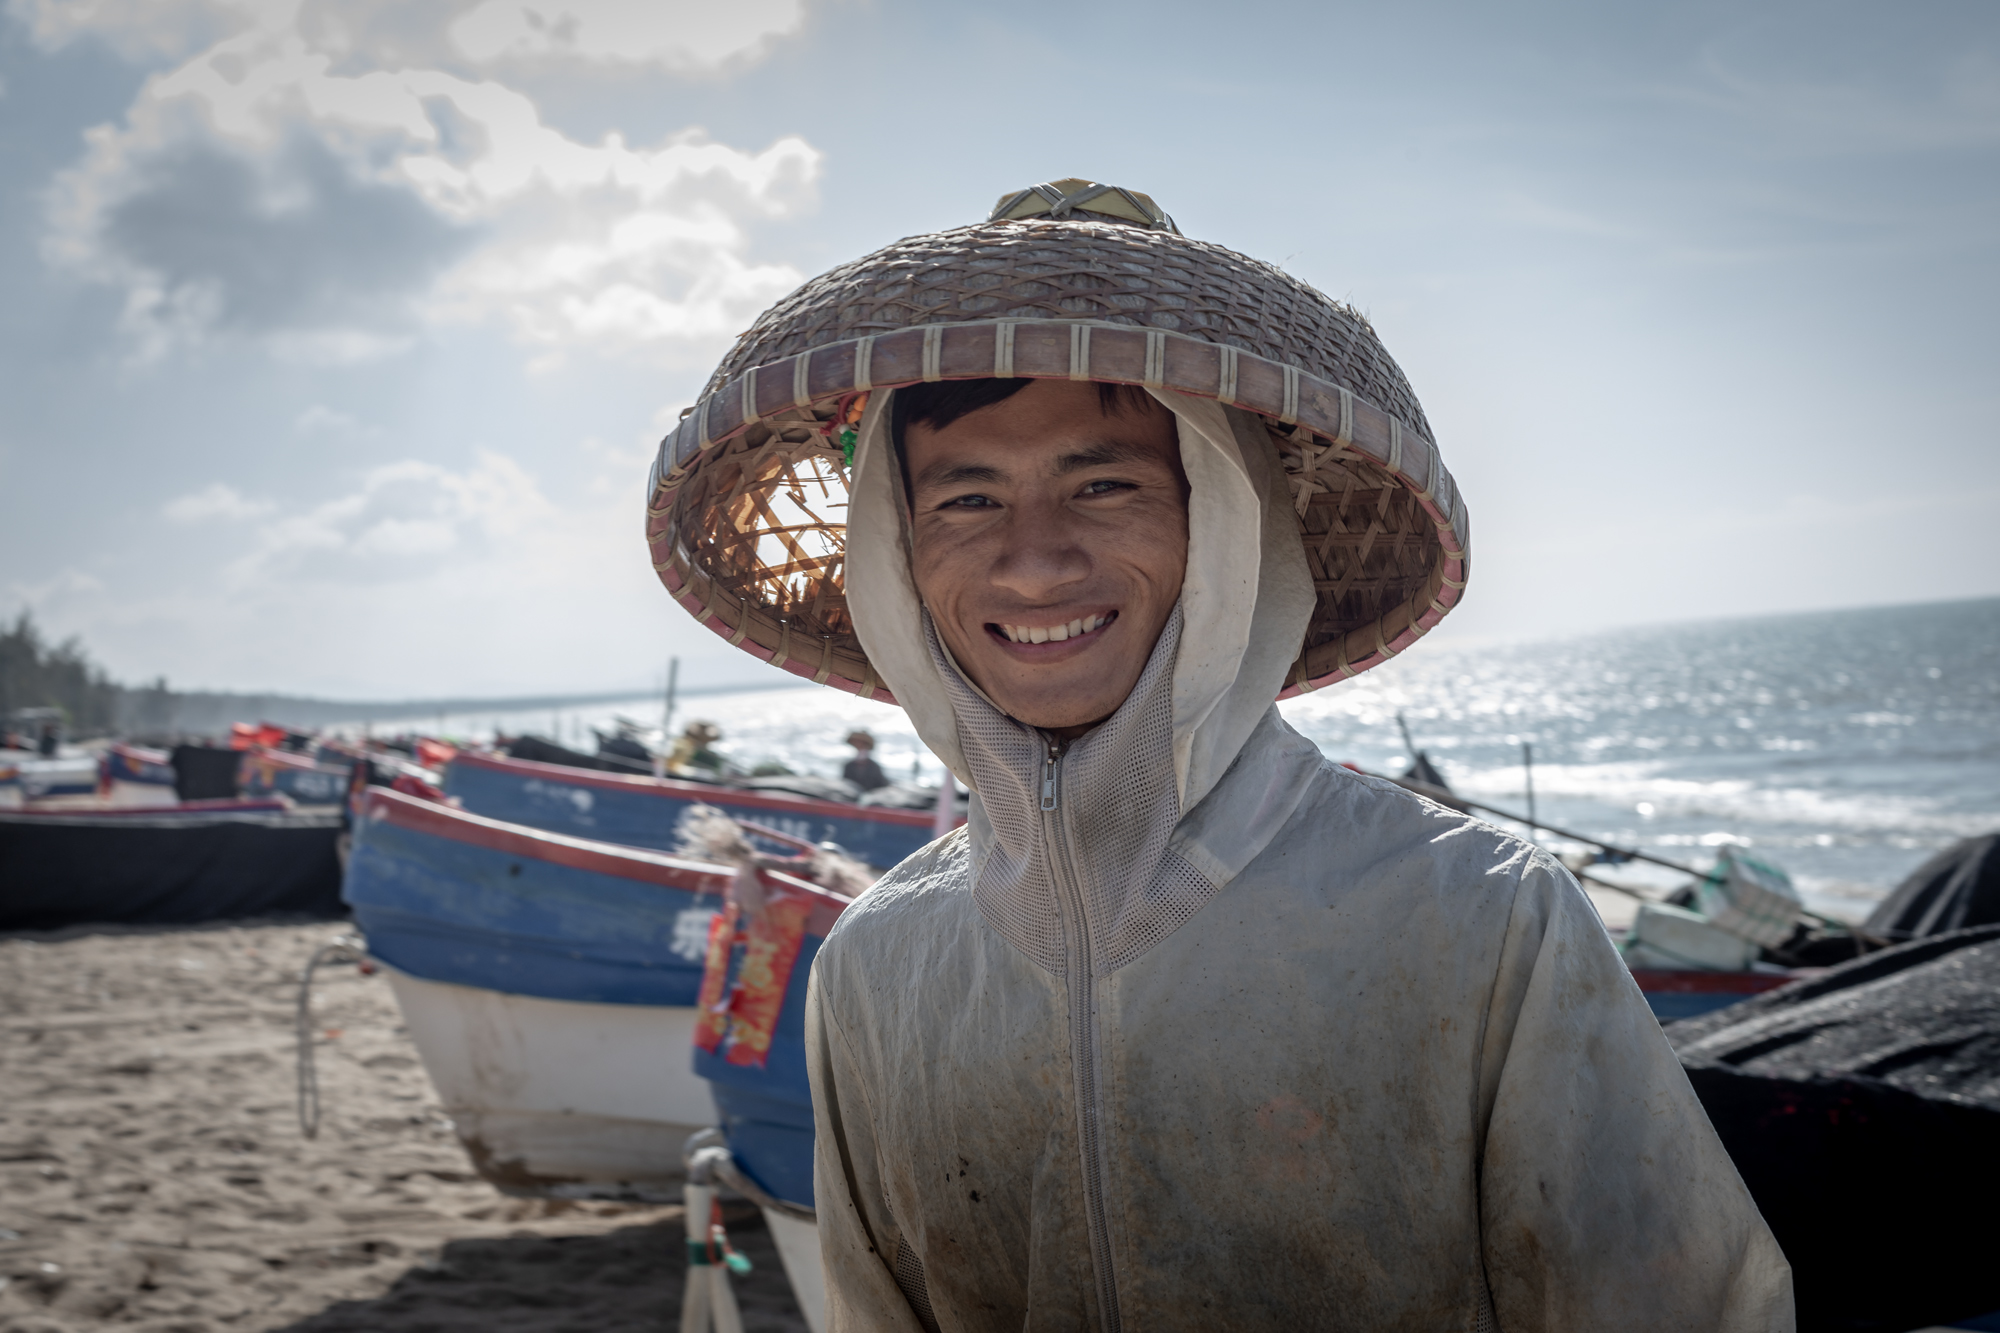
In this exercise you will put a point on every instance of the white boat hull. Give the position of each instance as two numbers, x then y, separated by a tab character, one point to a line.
557	1098
798	1249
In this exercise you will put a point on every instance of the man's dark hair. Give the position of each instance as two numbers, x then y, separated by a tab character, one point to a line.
942	402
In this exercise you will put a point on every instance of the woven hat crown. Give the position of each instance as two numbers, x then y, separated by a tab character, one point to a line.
1069	280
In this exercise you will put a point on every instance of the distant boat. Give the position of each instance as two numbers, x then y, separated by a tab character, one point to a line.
179	864
1677	994
549	983
57	776
271	772
645	811
129	775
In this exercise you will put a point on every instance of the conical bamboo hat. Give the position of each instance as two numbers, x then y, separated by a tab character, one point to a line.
1069	280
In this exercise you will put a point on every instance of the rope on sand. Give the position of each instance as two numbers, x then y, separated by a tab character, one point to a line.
342	949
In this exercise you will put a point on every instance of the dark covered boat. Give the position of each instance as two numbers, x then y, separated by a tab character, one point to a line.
1957	888
1863	1109
204	861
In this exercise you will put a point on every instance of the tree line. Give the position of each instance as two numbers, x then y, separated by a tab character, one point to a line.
35	673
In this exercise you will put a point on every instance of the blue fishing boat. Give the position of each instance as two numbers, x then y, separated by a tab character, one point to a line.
1675	994
271	772
135	775
549	983
644	812
750	1041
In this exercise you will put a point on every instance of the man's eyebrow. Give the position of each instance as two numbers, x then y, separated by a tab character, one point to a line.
955	474
1109	453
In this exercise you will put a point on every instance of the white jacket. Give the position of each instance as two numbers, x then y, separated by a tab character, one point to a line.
1191	1029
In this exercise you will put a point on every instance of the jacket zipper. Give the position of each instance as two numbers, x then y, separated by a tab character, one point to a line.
1083	1042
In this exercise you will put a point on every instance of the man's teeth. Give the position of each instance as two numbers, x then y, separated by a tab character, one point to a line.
1053	633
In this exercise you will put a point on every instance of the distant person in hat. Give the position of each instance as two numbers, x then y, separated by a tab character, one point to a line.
1189	1028
862	770
692	750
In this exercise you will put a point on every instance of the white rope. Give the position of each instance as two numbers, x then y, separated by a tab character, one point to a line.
1346	435
1225	386
1290	415
1079	351
1003	351
750	395
342	949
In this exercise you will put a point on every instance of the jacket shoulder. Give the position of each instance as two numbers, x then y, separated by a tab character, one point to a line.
930	881
1380	826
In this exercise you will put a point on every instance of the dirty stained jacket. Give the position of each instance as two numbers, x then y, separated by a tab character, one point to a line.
1191	1029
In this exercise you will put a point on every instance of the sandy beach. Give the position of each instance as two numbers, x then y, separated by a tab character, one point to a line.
153	1174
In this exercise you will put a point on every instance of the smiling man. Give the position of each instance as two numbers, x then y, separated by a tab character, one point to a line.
1189	1028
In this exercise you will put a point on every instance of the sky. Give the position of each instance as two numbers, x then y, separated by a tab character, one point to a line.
336	336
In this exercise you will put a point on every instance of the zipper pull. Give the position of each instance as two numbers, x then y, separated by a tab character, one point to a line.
1049	778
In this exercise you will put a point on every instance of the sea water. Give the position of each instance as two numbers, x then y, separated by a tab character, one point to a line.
1844	746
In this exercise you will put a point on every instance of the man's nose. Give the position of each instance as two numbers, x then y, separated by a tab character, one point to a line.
1040	555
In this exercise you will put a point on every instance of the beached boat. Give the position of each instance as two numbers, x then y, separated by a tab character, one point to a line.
550	985
64	775
645	812
133	775
750	1045
1677	994
302	778
1862	1107
198	861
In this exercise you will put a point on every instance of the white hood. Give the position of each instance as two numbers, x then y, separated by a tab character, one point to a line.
1244	602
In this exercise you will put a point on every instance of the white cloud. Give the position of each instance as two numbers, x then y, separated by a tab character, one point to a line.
419	578
135	29
676	36
214	501
395	525
319	417
277	186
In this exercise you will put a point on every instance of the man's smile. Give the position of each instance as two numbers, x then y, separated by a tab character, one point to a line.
1061	632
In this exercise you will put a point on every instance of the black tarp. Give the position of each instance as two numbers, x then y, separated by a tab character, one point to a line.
204	773
69	870
1862	1108
1957	888
548	752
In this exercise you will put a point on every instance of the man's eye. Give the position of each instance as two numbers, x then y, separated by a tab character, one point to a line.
967	502
1106	487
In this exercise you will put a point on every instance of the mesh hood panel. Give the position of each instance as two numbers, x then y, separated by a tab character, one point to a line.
1119	808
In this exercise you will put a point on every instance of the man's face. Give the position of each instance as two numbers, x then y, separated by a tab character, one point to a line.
1050	540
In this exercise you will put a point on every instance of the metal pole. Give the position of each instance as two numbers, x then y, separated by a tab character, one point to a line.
946	817
1528	765
1452	799
673	684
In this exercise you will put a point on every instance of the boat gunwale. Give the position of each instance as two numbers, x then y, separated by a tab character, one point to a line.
706	793
1691	981
616	860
